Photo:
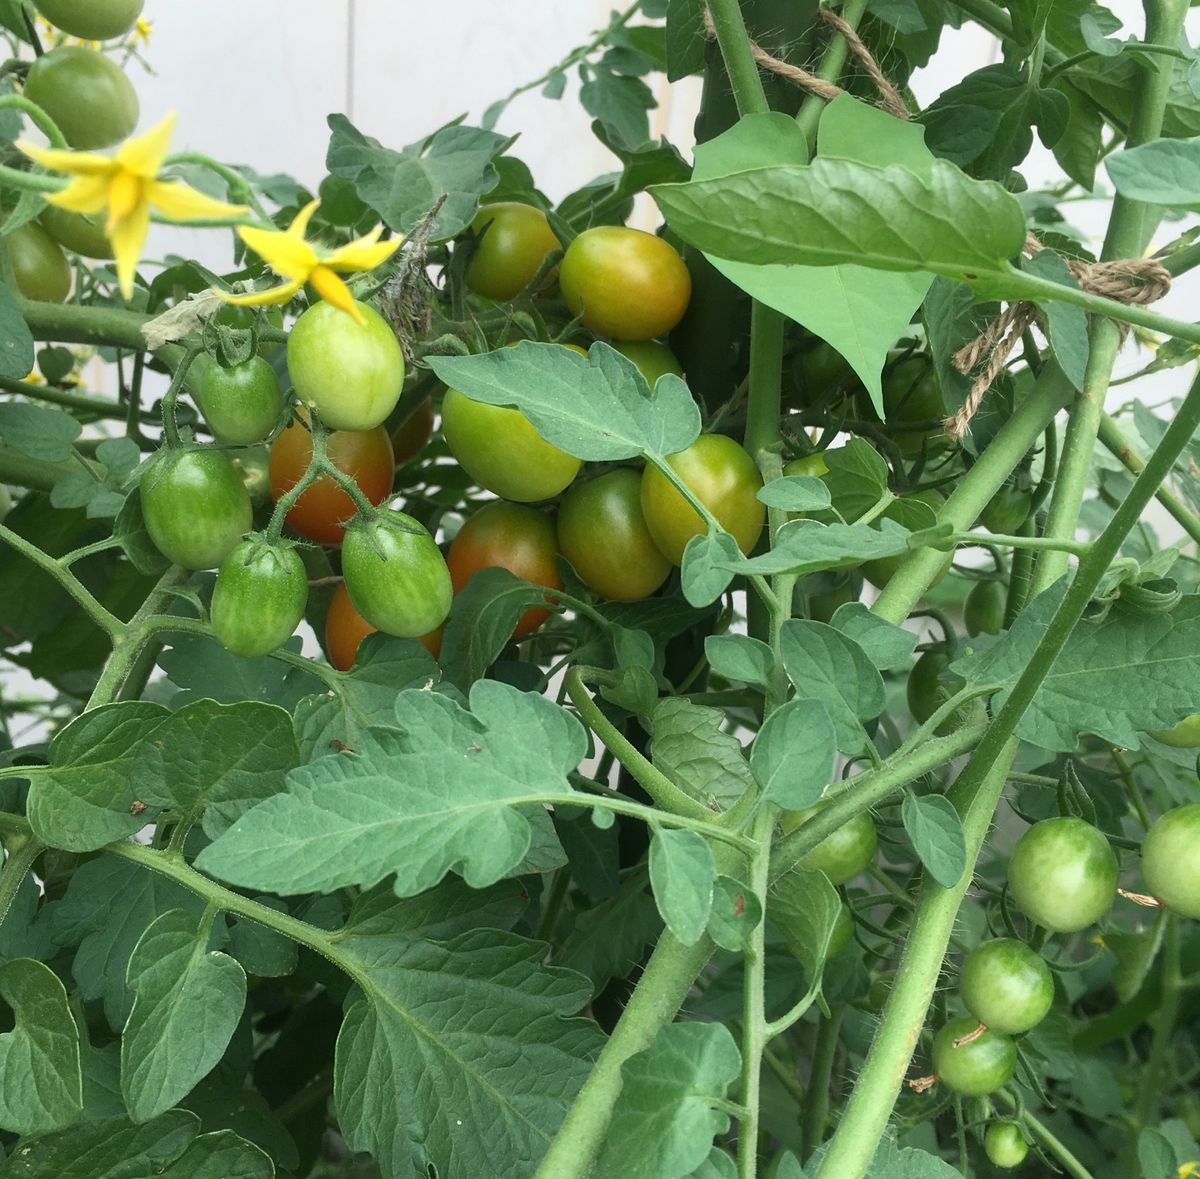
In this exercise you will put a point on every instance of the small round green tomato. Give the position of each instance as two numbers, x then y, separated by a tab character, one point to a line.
349	372
826	593
87	95
843	930
1006	985
195	505
1063	874
1170	863
396	577
1005	1144
626	283
515	241
92	20
259	597
653	359
603	534
823	367
915	511
83	234
911	393
976	1068
842	855
723	477
241	404
500	449
1185	735
983	611
40	268
1007	510
812	465
925	690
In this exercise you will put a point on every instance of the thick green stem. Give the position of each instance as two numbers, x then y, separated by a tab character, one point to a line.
22	471
829	70
99	407
734	40
816	1101
22	851
1155	1073
71	323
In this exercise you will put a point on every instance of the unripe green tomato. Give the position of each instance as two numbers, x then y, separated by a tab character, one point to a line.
395	575
1005	1144
1063	874
879	992
259	598
909	511
813	465
1007	510
603	534
843	854
195	505
253	463
1171	859
843	930
723	477
515	241
925	690
983	611
87	95
1185	735
40	268
349	372
977	1068
83	234
92	20
823	366
911	393
1006	985
6	502
243	319
825	593
241	404
502	451
653	359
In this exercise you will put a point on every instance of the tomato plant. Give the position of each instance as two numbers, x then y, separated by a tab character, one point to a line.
93	20
843	854
1185	735
1005	1144
87	95
513	243
983	610
1063	874
85	235
40	269
259	597
973	1068
1169	860
1007	985
241	404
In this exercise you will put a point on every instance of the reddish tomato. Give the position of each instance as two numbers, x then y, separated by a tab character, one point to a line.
364	455
515	241
345	628
412	436
513	537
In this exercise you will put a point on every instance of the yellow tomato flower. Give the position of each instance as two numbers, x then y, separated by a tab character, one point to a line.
298	261
127	185
141	31
1189	1170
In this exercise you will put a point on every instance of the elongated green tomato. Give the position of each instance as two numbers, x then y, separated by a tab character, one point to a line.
825	593
77	232
911	393
843	854
823	367
395	575
515	241
93	20
241	404
87	95
915	511
1171	859
1007	985
1005	1144
983	611
413	435
626	283
500	449
195	505
40	268
926	690
978	1067
259	597
723	477
603	534
653	358
1007	510
1063	874
349	372
1185	735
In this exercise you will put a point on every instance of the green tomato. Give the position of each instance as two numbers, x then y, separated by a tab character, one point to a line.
1007	510
83	234
653	359
40	268
1005	1144
1063	874
603	534
824	593
911	393
812	465
1185	735
843	930
259	597
500	449
842	855
395	575
349	372
723	477
1007	985
515	241
6	502
92	20
195	505
983	611
925	690
241	404
1170	865
87	95
977	1068
823	367
915	511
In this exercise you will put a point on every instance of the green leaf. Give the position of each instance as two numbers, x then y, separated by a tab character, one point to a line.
860	313
1135	953
736	913
887	645
439	914
792	757
446	790
805	906
718	1165
41	1083
609	199
1066	325
260	950
129	528
609	940
689	745
936	832
39	432
187	1001
1156	1156
741	658
827	666
857	478
664	1122
597	407
1078	148
795	493
206	671
619	102
707	567
682	874
806	546
1165	172
685	38
16	343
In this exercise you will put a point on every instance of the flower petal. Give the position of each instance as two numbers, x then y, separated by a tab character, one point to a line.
125	196
333	290
85	194
182	202
128	236
144	154
75	163
271	297
289	256
364	254
299	225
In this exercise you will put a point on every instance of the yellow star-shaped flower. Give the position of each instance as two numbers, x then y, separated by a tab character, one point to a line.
298	261
141	32
127	185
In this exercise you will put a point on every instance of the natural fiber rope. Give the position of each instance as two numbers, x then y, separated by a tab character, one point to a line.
1127	280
